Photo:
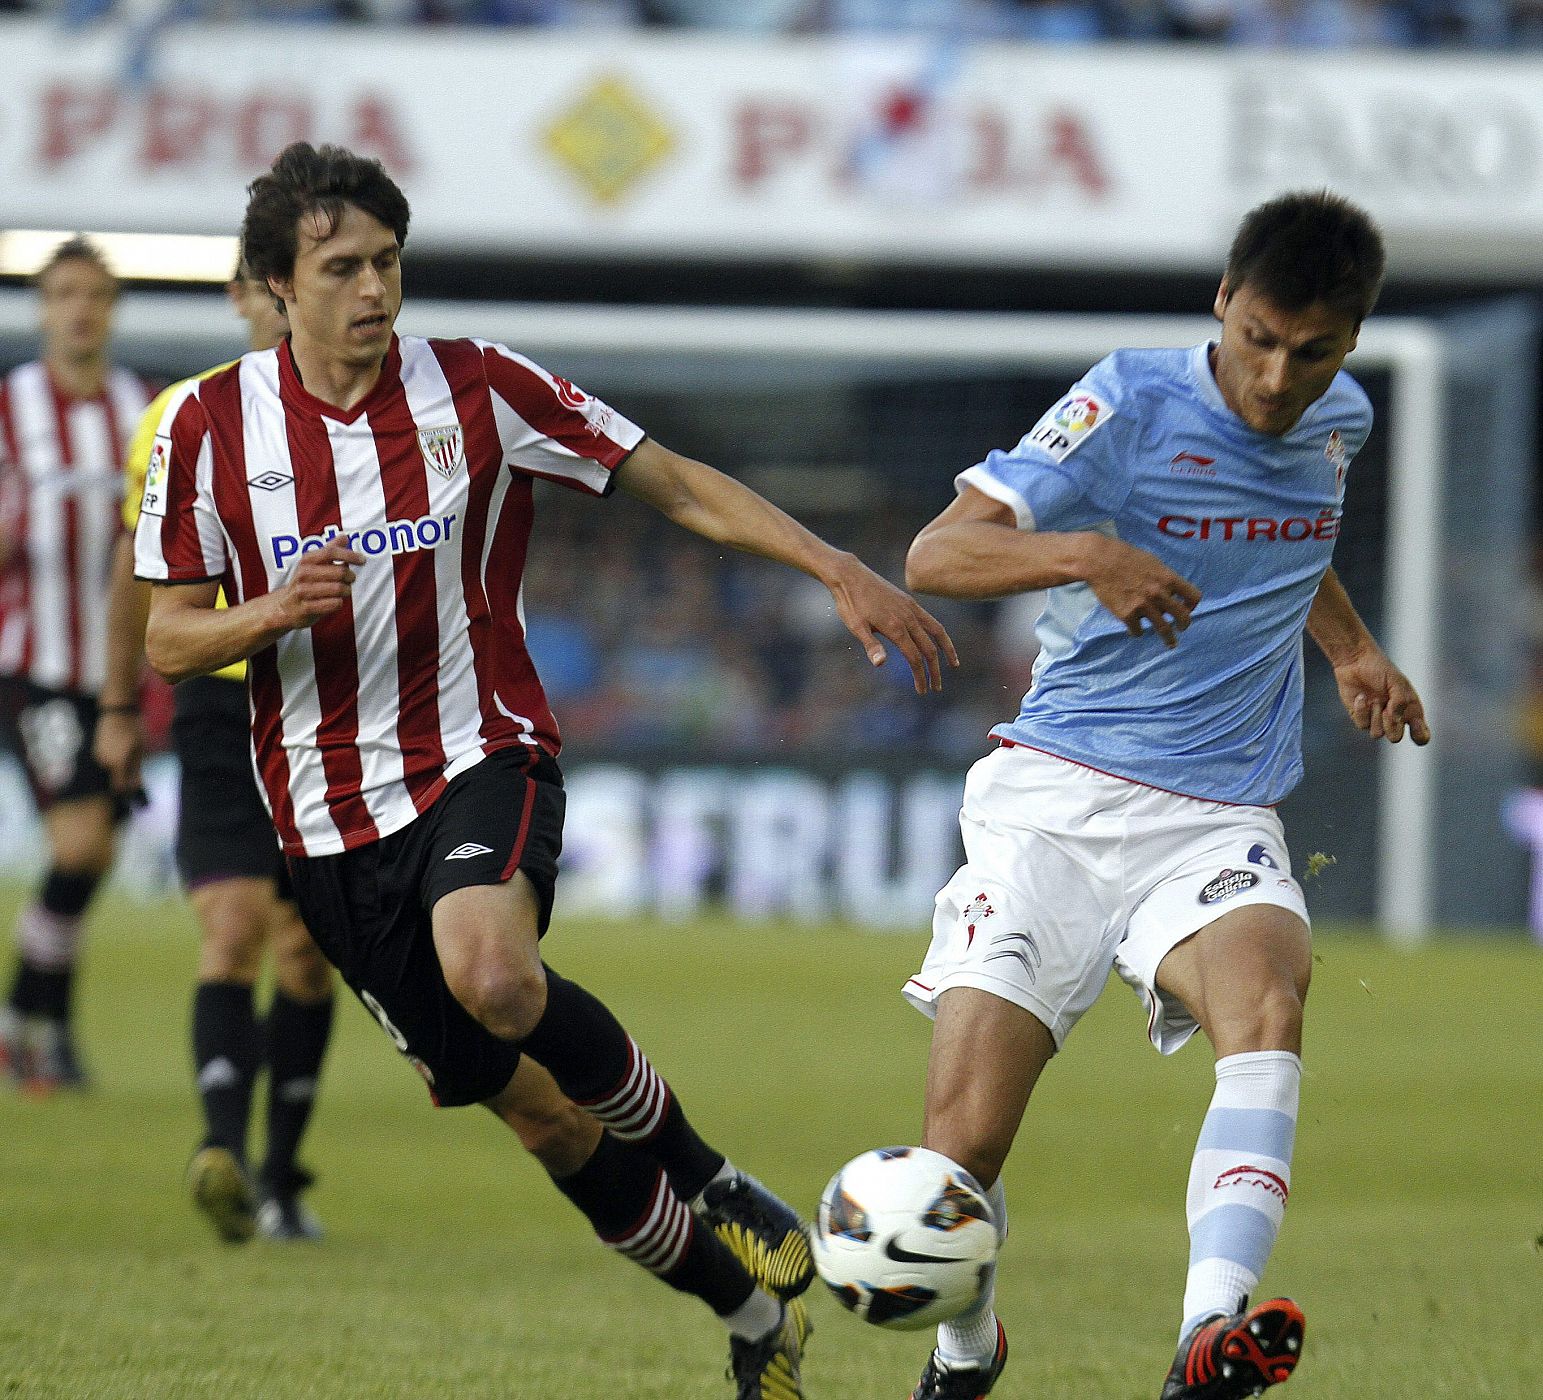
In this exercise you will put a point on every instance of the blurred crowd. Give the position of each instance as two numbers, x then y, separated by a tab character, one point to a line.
646	639
1267	23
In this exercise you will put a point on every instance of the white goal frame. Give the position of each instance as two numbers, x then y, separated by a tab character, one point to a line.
160	328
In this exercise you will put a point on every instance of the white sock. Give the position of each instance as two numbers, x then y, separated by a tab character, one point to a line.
727	1170
755	1317
1239	1180
970	1340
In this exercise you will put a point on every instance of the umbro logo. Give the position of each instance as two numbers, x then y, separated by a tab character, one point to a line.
270	481
469	850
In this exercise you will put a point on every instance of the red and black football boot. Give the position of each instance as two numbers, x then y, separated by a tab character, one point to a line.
943	1382
1228	1358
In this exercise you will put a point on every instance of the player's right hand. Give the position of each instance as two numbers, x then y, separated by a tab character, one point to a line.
119	746
319	585
1141	590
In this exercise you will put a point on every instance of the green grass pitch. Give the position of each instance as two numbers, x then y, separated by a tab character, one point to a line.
452	1269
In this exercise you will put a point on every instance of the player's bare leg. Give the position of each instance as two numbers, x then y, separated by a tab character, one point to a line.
1244	978
295	1035
624	1192
39	1043
987	1055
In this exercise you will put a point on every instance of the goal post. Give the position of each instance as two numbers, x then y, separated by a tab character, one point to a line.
610	349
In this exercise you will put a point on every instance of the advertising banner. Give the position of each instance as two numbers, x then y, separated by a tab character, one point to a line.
591	143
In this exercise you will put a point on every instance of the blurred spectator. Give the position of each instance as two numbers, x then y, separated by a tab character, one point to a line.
1320	24
742	16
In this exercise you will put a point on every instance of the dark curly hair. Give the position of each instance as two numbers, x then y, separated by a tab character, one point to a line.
1307	247
305	180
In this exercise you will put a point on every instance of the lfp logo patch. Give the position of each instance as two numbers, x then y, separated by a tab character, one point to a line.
1077	414
153	502
1068	424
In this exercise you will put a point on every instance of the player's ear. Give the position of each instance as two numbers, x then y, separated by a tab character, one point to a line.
283	288
1219	306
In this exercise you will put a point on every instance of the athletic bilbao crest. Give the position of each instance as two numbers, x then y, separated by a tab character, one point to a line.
442	449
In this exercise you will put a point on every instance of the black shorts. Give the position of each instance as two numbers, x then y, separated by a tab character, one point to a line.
369	910
223	830
52	732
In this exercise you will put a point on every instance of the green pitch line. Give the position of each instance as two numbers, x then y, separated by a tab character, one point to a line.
452	1268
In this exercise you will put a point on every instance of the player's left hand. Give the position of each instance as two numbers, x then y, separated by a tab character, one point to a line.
870	605
1381	700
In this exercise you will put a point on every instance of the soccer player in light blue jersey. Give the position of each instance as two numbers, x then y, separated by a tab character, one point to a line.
1181	507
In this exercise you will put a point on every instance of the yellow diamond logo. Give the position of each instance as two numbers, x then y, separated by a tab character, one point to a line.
609	139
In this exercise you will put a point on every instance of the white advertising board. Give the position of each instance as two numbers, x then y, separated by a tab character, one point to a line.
597	143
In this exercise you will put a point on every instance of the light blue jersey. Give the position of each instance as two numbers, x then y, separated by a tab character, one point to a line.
1145	448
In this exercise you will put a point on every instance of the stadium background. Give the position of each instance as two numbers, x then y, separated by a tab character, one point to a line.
940	156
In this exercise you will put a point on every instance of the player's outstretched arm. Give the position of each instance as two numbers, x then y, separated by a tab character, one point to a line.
187	636
119	740
717	507
975	550
1380	698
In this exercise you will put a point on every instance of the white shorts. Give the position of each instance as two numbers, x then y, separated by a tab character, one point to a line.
1069	872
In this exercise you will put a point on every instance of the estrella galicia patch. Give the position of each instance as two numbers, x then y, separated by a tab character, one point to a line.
1227	884
1258	855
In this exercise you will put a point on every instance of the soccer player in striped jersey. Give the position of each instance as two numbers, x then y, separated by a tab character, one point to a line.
230	862
65	419
1181	507
365	501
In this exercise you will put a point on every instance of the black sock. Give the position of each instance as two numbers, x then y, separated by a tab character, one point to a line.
42	991
619	1190
294	1041
227	1049
597	1064
47	990
67	893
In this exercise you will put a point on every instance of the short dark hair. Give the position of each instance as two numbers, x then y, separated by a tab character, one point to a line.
1306	247
79	248
305	180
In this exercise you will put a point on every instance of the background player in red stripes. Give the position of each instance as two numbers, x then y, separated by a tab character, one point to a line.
365	500
229	859
65	419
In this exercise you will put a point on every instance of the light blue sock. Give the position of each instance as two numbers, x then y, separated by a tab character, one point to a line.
1239	1180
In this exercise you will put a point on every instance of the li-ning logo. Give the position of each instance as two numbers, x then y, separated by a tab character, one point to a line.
1255	1177
469	850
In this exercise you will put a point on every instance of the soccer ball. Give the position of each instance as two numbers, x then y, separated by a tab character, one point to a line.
904	1238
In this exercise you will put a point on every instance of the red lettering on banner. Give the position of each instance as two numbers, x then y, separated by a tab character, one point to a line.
1000	149
73	118
187	128
265	124
178	128
765	135
375	132
1071	147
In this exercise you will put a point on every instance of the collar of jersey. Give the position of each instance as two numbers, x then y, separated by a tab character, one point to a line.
294	391
1210	392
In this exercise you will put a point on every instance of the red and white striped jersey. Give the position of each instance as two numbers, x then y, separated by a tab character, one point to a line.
359	722
61	488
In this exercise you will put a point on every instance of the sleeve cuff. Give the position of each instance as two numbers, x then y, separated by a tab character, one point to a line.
988	485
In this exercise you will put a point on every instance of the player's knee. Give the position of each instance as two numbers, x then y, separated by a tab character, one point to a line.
1273	1021
233	926
506	998
560	1136
299	966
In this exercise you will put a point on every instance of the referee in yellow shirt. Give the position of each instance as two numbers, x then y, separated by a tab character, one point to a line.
229	859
